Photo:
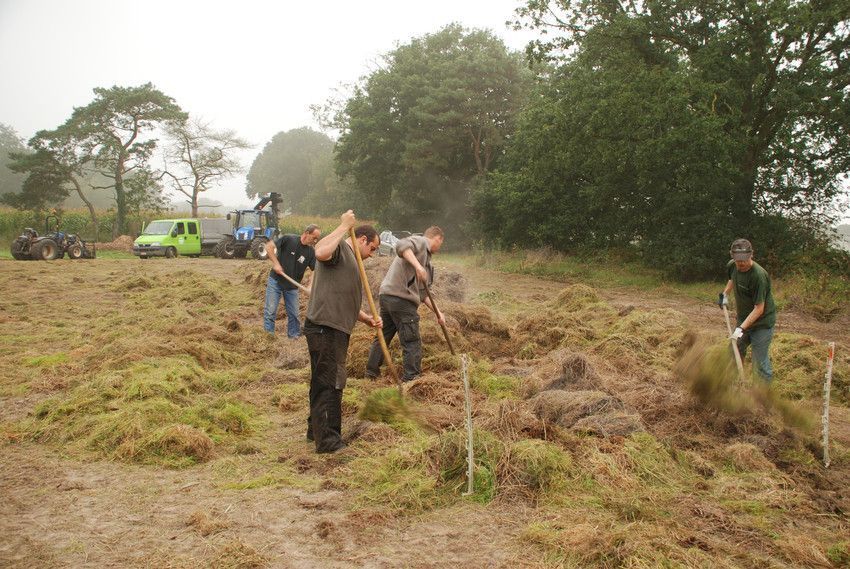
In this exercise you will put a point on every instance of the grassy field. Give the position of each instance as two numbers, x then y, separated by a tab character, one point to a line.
603	437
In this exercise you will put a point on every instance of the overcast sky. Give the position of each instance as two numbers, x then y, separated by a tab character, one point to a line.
249	65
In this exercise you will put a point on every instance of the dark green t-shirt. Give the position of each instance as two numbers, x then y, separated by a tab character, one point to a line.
337	291
751	288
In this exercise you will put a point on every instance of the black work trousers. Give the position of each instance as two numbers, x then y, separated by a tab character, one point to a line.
402	316
328	350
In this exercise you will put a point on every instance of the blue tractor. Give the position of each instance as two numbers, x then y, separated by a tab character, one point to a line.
252	229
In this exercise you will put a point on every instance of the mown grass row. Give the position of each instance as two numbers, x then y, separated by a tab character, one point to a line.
820	293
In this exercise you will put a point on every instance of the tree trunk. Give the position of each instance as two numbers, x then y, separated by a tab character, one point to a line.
92	212
120	225
195	203
743	200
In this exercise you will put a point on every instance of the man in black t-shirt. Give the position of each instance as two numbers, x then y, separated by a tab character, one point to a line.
290	255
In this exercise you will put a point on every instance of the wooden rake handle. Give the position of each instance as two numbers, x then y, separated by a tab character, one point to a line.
365	280
738	362
443	326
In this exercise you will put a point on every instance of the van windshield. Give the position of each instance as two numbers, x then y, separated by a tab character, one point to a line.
158	228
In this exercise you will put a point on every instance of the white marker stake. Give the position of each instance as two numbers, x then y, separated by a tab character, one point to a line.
827	386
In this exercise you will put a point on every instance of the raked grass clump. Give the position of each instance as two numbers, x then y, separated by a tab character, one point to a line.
153	412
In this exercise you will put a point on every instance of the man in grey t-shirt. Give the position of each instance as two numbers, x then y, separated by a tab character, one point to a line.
333	311
402	291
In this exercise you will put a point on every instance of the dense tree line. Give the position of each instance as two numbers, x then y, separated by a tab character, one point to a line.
673	127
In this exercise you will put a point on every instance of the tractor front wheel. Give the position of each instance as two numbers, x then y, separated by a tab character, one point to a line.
75	251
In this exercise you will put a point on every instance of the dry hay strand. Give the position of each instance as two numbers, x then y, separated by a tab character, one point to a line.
207	523
564	408
446	388
439	416
709	371
175	441
552	329
577	372
576	297
643	339
611	424
476	318
292	354
566	370
746	457
371	432
512	420
236	554
803	551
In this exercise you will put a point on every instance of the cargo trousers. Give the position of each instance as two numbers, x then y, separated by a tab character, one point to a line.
400	316
328	350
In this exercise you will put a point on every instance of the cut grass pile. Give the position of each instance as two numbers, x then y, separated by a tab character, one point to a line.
152	376
156	412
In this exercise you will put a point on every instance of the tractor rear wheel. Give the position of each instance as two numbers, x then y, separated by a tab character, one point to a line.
45	250
18	252
224	249
258	249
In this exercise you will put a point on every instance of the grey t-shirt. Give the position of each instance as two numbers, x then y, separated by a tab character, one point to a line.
337	291
400	279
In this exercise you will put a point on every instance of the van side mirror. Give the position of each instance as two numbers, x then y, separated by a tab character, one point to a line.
174	232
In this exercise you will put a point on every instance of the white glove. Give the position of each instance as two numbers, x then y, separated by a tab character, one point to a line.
736	335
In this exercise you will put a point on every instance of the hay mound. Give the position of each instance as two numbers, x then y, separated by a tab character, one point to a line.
181	441
576	297
536	465
564	408
370	432
576	373
746	457
476	318
121	243
612	424
512	420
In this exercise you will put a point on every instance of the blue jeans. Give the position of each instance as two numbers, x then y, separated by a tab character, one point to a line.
760	340
273	294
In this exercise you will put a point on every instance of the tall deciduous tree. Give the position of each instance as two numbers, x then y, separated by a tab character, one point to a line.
296	164
677	126
777	73
198	157
418	132
114	131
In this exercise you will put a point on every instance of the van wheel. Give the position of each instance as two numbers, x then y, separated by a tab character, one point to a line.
170	253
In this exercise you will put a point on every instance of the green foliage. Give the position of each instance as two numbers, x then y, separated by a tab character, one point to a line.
386	405
10	142
418	132
298	164
672	129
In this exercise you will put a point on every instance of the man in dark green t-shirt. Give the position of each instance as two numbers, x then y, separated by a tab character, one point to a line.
754	305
